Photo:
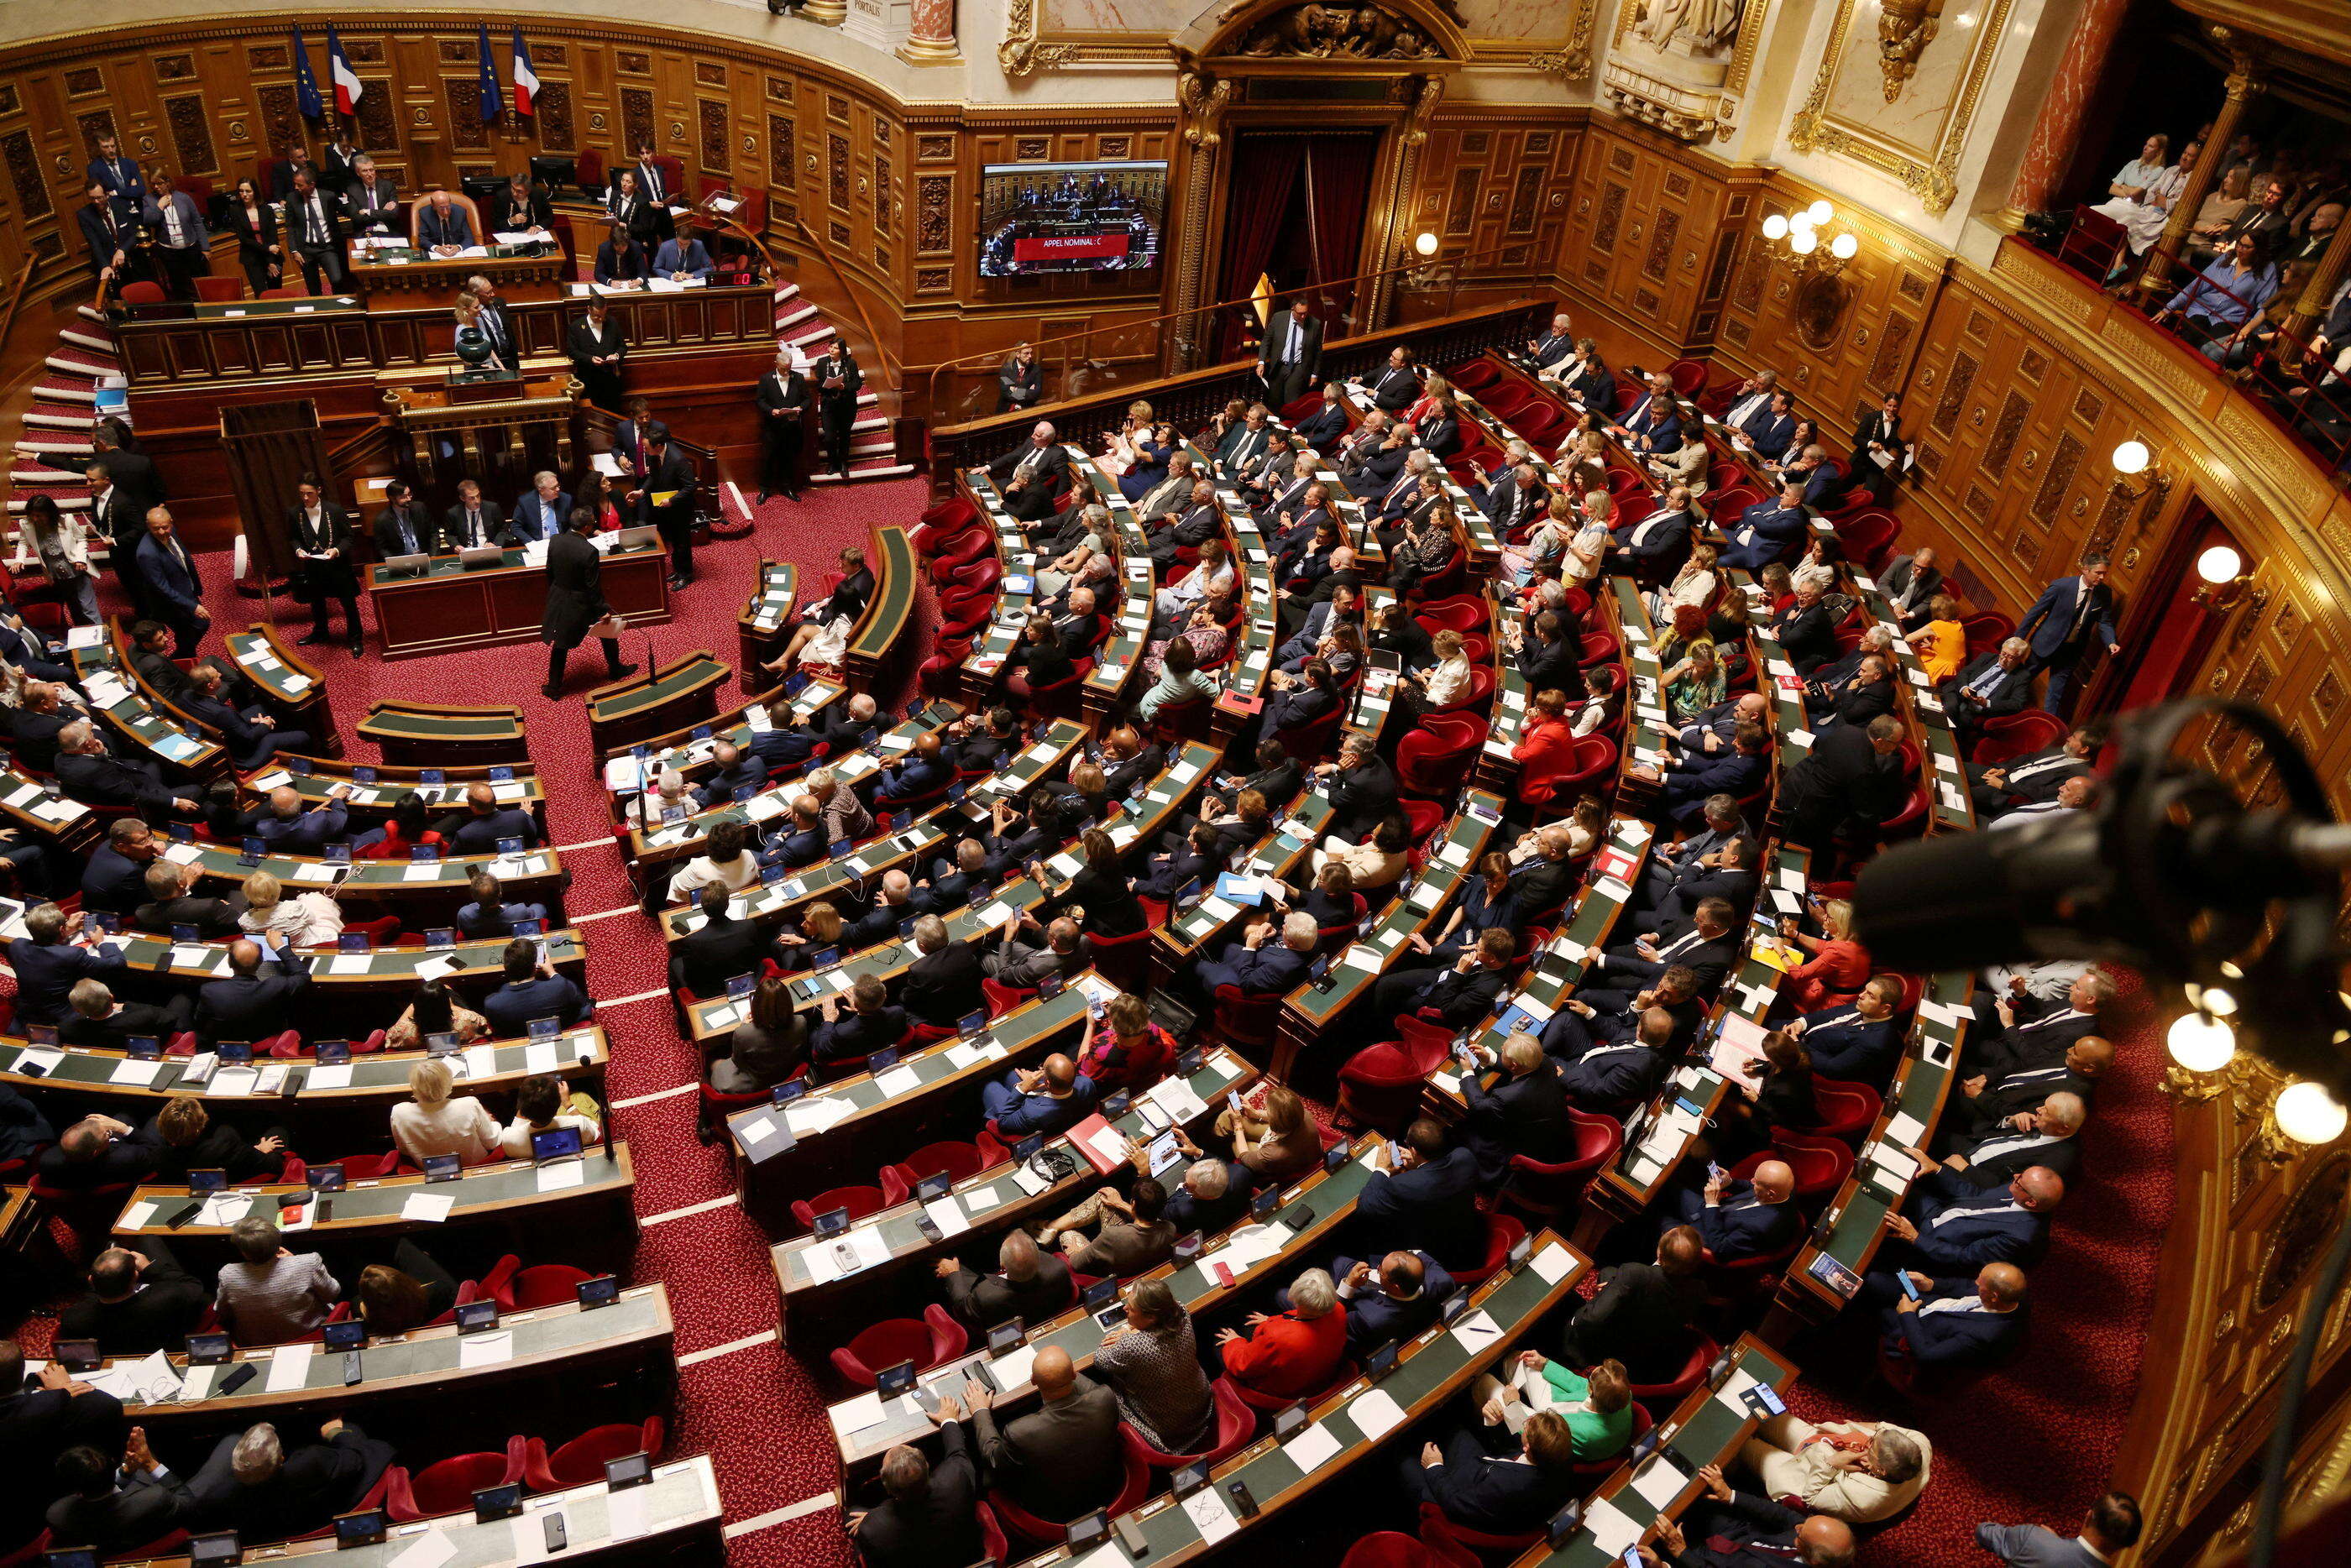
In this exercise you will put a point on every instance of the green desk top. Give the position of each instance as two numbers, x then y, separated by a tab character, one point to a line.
486	1191
895	576
1278	854
771	599
394	719
265	669
372	878
377	1075
670	683
112	692
385	968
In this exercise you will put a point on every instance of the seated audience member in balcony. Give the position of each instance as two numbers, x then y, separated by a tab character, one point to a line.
1152	1365
1294	1351
1390	1299
2267	216
252	1485
870	1024
1850	782
1957	1321
1461	994
1738	1220
2218	308
1857	1472
247	1004
1769	531
1992	686
434	1121
1525	1113
1046	1100
269	1295
531	989
544	1102
1061	1459
2140	195
1644	1315
186	1139
1030	1283
141	1300
1132	1234
1259	965
305	919
1429	1199
1613	1058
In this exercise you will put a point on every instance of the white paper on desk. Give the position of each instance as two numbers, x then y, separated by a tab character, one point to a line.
1474	1331
1551	1262
1737	1383
429	1550
432	1208
538	1056
1028	1181
481	1060
1108	1142
1225	1069
1011	1370
234	1080
1375	1415
1893	1161
1175	1096
899	1081
563	1173
1905	1129
859	1413
948	1215
1313	1449
807	1117
1612	1530
151	1379
197	1385
1221	908
872	1248
289	1368
1658	1481
1370	960
486	1349
139	1215
965	1054
226	1209
1210	1514
132	1070
1941	1012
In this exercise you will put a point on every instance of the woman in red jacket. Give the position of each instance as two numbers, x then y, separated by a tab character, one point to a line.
1839	966
1297	1352
1546	748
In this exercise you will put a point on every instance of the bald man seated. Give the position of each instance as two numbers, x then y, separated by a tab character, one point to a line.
282	823
1985	1102
1061	1459
2041	1136
1046	1100
1954	1322
1742	1218
1030	1283
1727	1528
1950	1235
479	828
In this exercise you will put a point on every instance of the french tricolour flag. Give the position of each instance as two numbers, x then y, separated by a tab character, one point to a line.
348	85
526	81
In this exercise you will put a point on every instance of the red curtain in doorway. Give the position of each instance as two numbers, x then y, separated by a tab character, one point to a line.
1339	181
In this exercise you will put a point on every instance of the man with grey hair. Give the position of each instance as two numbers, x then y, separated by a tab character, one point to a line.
539	515
1992	686
1294	1351
1030	1283
1361	788
1170	495
1259	967
1023	966
844	816
1029	474
1859	1471
90	774
2044	1137
252	1485
929	1515
942	985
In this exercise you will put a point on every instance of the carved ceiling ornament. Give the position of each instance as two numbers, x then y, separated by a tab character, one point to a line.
1259	34
1318	32
1681	65
1905	28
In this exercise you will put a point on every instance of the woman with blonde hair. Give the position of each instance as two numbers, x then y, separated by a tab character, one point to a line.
821	926
1693	586
1839	965
305	919
430	1122
1941	644
1275	1135
1695	684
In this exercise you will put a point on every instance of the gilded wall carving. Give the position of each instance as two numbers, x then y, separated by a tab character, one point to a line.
551	105
717	156
24	174
1681	65
192	137
1867	104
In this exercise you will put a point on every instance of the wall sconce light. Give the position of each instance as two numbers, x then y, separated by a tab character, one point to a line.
2135	476
1426	272
2296	1114
2222	581
1799	239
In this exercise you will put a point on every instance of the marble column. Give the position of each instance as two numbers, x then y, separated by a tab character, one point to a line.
825	13
930	33
2245	86
2058	129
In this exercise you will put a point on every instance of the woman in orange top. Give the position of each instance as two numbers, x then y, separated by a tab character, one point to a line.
1839	967
1941	644
1546	748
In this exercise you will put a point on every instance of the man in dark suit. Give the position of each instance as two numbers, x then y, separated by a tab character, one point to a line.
1768	531
1063	1458
114	1508
115	879
1031	1284
178	243
1851	779
322	532
838	380
575	604
251	1485
1427	1201
1291	355
1462	993
1992	686
1392	1299
1524	1113
1957	1234
916	776
870	1024
471	520
245	734
1738	1220
1687	782
1711	946
1482	1479
38	1424
1199	522
173	582
116	516
783	399
1654	544
313	233
1727	1529
532	990
541	513
942	985
1268	960
2110	1529
1858	1041
444	228
1986	1101
720	947
1956	1321
522	208
170	903
1028	476
111	236
2043	1136
479	828
1552	348
285	173
249	1004
401	528
48	965
100	1023
2073	615
1518	497
289	827
929	1514
1806	631
372	202
90	774
1361	788
1394	386
664	497
1611	1059
2035	778
118	177
141	1300
1910	585
1644	1314
1772	428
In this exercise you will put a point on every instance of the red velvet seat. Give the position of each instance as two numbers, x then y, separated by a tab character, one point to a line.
2014	735
1248	1022
1394	1549
1174	723
1548	1190
928	1340
580	1461
1134	1487
1687	376
1434	759
1475	375
1869	538
1236	1425
1661	1398
1002	998
518	1289
956	1161
1125	961
1463	615
1381	1085
1846	1110
858	1201
1986	630
1475	1544
448	1485
1424	817
1503	1233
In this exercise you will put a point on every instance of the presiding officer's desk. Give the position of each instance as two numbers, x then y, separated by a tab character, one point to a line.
674	1517
435	1364
449	607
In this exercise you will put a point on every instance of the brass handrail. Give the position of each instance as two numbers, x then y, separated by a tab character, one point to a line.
889	361
1453	265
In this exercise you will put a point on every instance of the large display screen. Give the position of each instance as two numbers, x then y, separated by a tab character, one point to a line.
1070	217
